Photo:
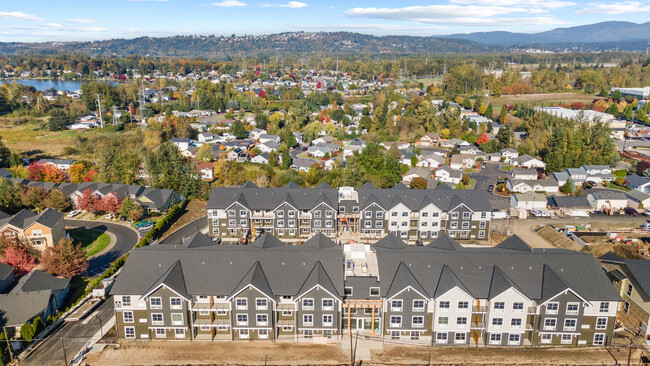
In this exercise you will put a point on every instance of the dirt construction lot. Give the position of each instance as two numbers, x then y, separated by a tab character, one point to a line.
267	353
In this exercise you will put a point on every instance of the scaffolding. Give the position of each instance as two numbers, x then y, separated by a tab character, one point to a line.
349	221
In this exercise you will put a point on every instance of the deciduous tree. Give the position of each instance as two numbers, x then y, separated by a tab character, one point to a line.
66	259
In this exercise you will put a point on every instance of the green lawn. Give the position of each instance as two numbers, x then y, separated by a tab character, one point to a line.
614	186
470	184
91	240
506	167
77	290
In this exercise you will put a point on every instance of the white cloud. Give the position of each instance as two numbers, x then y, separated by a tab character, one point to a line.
615	8
229	4
550	4
293	5
18	15
60	28
80	21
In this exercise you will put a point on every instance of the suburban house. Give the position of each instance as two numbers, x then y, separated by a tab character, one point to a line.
607	200
256	133
523	174
294	213
260	159
462	161
304	164
508	154
431	161
158	199
468	149
560	177
43	229
401	145
570	206
447	175
206	169
62	164
417	172
638	200
638	183
528	161
598	173
429	140
266	138
536	185
268	146
319	151
182	143
631	278
37	294
510	295
299	136
577	175
528	201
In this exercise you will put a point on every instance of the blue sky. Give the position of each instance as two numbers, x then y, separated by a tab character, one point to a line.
48	20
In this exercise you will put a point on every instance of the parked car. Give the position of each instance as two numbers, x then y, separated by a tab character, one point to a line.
109	216
73	213
631	211
587	185
491	188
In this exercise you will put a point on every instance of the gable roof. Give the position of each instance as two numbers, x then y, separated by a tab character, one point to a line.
553	284
267	240
500	282
444	242
39	280
514	243
391	242
404	278
447	281
637	180
249	184
640	269
319	241
197	240
173	279
318	276
255	277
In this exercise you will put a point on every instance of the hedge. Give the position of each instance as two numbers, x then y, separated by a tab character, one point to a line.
163	224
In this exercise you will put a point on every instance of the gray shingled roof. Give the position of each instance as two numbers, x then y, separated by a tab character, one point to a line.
499	283
515	243
5	270
173	279
402	279
640	269
270	198
255	277
39	280
637	180
441	198
318	276
20	307
445	242
319	241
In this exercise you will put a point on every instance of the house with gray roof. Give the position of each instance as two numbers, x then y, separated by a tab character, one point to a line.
41	229
638	183
607	199
442	293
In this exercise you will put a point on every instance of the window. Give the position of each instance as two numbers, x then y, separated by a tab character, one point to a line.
156	319
263	333
570	324
127	316
222	328
546	338
572	308
551	308
481	225
242	319
175	303
515	322
604	307
465	225
461	320
241	304
328	223
415	335
601	323
424	224
396	305
347	291
466	215
549	324
394	335
307	319
160	333
129	332
177	319
513	339
441	337
307	304
497	322
495	338
328	304
443	321
379	224
460	338
499	305
374	291
518	306
37	232
317	214
232	222
126	301
367	224
454	215
367	214
280	223
481	234
396	321
443	305
281	214
379	214
243	333
425	214
463	305
418	305
629	290
242	213
599	339
454	225
179	333
566	338
316	223
222	312
393	214
262	319
405	214
292	223
626	307
483	215
292	214
261	304
329	213
204	312
287	312
231	213
328	320
417	322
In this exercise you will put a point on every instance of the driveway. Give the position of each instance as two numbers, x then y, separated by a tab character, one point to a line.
489	175
74	334
126	239
191	228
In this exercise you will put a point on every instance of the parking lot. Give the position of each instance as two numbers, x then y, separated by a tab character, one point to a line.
487	176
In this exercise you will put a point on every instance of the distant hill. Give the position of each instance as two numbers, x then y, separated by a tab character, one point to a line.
605	32
219	46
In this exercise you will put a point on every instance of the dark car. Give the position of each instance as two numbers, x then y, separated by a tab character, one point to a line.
631	211
491	188
587	185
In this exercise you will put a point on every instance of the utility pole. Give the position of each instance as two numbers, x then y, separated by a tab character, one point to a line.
101	331
11	354
65	357
629	353
99	107
351	352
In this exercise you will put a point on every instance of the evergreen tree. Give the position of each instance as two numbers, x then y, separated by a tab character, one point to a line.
603	92
239	130
628	112
617	95
613	109
286	159
489	111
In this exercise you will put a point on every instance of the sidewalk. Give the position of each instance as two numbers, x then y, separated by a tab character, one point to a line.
362	346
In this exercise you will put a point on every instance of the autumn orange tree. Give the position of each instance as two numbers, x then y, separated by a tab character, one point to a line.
18	253
80	172
66	259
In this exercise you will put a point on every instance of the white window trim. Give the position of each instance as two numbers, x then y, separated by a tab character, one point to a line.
151	306
126	335
177	322
261	307
175	307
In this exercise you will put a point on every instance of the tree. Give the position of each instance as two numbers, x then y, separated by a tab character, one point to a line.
27	332
80	173
617	95
66	259
337	115
108	203
286	159
273	158
10	201
503	116
613	109
467	104
38	325
489	111
6	156
87	201
130	209
58	119
642	117
238	130
33	197
418	183
567	188
482	139
603	92
628	112
20	258
414	161
57	200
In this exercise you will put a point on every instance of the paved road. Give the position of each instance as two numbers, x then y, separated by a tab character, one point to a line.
630	144
75	335
126	239
489	175
177	236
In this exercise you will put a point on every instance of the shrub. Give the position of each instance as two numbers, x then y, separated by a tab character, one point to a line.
38	326
27	332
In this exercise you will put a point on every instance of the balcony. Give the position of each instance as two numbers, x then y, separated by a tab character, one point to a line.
203	307
532	310
478	325
479	309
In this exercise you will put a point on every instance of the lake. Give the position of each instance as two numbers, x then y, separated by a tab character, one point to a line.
47	84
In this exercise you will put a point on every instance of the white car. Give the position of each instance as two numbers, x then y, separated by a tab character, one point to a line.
109	216
73	213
